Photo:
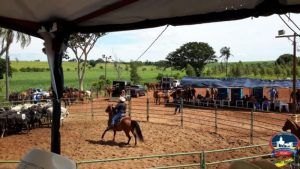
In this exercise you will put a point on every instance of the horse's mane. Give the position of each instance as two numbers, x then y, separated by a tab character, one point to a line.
294	124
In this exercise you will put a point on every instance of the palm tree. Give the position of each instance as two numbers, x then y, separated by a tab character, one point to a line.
7	37
225	54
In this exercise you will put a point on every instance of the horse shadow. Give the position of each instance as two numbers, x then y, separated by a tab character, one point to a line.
108	143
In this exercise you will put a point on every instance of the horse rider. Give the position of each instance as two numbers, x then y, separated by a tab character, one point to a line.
123	93
121	111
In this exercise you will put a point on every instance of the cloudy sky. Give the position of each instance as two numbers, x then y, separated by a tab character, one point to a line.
251	39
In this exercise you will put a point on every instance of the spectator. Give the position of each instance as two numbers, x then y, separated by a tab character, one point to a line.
265	103
272	94
207	95
277	94
177	101
193	91
297	96
255	102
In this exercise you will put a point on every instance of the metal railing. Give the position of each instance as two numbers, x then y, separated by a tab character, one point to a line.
202	154
249	123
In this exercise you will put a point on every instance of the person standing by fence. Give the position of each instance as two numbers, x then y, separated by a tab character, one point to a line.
177	100
272	94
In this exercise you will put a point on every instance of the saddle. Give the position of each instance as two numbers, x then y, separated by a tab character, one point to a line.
121	119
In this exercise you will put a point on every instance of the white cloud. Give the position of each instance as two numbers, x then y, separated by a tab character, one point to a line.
249	40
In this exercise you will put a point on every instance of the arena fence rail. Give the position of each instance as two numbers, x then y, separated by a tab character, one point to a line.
202	154
250	123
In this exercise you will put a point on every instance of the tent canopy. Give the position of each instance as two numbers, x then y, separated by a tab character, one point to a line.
54	20
236	82
115	15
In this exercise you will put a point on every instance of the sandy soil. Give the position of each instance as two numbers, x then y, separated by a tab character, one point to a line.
163	134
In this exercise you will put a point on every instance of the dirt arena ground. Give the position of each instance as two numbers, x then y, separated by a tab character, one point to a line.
81	132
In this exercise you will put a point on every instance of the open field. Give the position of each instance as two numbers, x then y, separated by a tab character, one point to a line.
23	80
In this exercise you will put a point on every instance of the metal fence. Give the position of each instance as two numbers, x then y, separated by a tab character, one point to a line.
255	127
202	163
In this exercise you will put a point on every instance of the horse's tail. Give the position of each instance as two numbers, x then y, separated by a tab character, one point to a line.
137	130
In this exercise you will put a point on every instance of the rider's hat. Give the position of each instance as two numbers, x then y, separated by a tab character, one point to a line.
122	99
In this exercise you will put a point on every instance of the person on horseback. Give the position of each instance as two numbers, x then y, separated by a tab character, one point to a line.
120	111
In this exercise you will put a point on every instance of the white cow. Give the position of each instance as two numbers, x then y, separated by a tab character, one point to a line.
88	94
64	113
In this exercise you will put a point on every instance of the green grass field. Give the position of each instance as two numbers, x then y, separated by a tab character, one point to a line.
23	80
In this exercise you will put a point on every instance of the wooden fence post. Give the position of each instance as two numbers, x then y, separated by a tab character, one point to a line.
251	127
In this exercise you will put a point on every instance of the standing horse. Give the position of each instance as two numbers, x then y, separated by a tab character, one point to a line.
126	124
291	125
157	96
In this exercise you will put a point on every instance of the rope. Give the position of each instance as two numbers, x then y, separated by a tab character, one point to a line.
292	21
288	25
152	43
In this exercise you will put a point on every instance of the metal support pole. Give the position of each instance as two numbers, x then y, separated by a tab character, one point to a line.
216	119
294	74
181	112
57	78
202	163
251	127
129	108
6	74
147	109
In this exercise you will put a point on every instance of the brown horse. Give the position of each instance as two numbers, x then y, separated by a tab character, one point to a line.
126	124
291	125
157	96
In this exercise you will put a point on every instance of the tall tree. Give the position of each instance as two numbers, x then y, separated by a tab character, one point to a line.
225	54
197	54
81	44
190	71
284	60
277	70
117	67
134	76
7	37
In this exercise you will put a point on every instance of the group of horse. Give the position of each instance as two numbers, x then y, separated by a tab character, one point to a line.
70	95
153	86
26	117
186	94
27	96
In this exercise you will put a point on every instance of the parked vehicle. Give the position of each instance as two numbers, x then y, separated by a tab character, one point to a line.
137	90
118	86
166	83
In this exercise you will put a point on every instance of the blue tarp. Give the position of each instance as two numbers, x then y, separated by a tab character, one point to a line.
236	82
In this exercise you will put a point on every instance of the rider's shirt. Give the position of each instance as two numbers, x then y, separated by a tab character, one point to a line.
121	108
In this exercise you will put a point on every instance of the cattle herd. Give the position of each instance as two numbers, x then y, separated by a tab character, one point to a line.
23	118
32	108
